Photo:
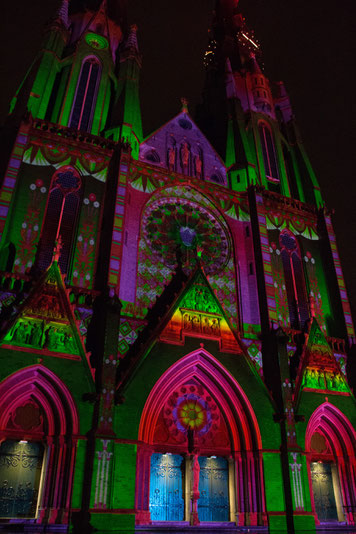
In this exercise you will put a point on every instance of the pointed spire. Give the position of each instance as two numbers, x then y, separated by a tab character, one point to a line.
255	68
131	42
62	13
185	103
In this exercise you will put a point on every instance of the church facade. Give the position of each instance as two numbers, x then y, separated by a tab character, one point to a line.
176	341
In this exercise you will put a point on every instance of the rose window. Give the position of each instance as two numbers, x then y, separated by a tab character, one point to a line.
174	226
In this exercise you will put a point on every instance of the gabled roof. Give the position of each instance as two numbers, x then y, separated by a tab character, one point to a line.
45	323
191	309
318	367
174	133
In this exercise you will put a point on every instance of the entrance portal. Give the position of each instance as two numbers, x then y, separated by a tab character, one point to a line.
213	504
323	491
20	475
166	487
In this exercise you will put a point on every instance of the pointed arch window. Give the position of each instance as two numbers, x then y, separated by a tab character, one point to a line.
269	152
85	96
61	217
294	279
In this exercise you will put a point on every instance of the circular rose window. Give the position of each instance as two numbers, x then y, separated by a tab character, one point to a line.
174	226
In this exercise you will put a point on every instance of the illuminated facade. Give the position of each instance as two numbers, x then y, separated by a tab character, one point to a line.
175	327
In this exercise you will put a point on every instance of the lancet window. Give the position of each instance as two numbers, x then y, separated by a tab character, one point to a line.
61	218
269	153
84	102
294	279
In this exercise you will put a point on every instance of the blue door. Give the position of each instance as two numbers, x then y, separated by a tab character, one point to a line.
166	487
213	504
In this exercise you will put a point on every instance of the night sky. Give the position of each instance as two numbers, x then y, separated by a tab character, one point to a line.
309	44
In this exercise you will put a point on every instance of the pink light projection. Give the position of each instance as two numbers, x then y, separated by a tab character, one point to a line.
203	367
39	386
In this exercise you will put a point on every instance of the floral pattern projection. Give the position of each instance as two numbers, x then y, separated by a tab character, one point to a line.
44	153
184	219
191	408
298	227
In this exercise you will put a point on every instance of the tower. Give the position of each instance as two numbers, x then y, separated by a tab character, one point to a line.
174	323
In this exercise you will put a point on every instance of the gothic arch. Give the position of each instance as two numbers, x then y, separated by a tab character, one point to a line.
242	454
61	216
39	386
38	411
86	93
203	367
340	449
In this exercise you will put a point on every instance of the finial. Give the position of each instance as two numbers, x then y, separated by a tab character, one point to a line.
57	248
62	13
131	42
185	103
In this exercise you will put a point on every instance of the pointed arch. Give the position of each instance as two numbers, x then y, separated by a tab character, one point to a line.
340	438
40	387
335	425
268	152
38	409
199	376
227	393
61	217
294	278
86	92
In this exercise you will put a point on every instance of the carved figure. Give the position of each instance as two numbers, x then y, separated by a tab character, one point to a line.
198	165
171	158
185	154
36	335
19	333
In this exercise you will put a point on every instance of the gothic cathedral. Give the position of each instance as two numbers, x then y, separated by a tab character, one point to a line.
176	343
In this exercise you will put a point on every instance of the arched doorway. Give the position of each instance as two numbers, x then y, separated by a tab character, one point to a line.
200	458
331	446
38	431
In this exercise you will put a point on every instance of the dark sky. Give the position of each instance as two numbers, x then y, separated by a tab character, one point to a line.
309	44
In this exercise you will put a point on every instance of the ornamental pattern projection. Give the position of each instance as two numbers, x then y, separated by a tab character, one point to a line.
170	223
128	333
49	152
83	266
321	369
297	484
191	407
20	471
166	487
213	503
31	227
43	321
279	284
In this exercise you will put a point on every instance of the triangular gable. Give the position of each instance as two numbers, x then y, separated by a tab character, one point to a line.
45	323
198	313
179	130
318	368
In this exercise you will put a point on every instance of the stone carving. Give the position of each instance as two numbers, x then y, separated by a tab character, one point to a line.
201	324
200	298
41	335
198	166
171	158
185	155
